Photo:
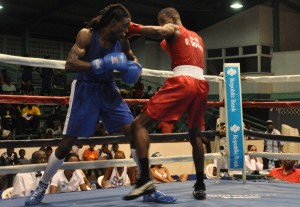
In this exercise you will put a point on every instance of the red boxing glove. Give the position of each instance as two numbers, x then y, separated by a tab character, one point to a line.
134	30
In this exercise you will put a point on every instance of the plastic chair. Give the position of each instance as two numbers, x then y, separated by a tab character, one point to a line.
100	178
209	171
7	193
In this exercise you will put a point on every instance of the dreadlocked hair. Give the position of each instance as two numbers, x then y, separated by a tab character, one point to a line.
114	11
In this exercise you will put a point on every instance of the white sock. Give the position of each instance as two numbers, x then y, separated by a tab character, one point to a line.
53	164
136	159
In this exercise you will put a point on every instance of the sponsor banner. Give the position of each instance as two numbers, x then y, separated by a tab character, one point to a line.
234	115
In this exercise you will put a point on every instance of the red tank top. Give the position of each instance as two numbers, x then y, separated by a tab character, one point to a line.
187	49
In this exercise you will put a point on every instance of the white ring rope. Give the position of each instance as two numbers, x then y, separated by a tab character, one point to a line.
272	79
102	163
60	64
280	156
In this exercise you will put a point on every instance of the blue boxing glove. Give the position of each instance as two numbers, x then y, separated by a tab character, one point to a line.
132	74
111	61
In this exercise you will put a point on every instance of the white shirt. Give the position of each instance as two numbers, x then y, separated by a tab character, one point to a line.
9	88
24	183
252	165
273	145
60	179
117	180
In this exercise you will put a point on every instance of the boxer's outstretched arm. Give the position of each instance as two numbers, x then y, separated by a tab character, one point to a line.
78	51
159	32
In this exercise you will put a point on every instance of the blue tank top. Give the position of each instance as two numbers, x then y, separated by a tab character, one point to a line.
94	51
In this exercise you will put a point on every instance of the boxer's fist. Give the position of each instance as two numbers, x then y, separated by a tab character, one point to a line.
132	74
134	30
111	61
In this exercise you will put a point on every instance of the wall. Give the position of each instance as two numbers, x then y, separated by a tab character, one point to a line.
238	30
289	31
286	63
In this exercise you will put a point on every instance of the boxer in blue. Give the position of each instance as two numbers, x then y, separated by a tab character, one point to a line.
100	48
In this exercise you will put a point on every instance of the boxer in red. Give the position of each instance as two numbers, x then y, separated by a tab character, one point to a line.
186	91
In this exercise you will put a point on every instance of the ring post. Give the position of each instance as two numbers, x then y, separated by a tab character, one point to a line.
234	117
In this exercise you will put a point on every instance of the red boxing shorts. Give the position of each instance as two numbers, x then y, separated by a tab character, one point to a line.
180	94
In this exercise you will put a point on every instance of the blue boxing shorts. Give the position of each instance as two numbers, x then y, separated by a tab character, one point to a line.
92	101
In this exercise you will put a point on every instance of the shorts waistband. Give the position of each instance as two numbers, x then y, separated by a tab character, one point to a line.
189	70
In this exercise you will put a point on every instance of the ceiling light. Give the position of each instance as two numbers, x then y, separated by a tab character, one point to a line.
236	4
1	7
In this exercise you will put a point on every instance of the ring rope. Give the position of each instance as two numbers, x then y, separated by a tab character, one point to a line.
55	100
60	64
103	163
281	156
272	136
172	137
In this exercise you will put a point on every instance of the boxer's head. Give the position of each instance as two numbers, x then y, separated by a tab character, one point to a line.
115	18
168	15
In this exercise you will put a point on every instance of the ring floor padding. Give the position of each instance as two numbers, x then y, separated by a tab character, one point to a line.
223	194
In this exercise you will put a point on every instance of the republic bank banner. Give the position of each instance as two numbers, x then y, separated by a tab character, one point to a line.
234	115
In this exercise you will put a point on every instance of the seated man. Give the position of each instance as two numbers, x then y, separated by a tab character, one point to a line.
286	172
68	180
31	117
161	174
116	176
25	182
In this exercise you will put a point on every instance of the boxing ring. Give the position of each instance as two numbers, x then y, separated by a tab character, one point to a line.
219	192
223	194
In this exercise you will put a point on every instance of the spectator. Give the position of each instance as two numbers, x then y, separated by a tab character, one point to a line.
223	145
286	172
138	89
161	174
114	149
25	182
27	88
8	87
31	117
4	134
75	148
90	154
271	145
68	180
26	73
249	127
9	158
104	154
252	163
55	122
116	176
22	159
47	76
48	152
11	118
148	93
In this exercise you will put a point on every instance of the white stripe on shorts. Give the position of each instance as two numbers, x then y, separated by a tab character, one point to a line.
70	106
